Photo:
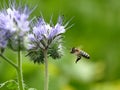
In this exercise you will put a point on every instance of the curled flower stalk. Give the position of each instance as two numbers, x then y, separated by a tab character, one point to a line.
45	41
14	26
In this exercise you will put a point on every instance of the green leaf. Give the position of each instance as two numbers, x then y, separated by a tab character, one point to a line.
9	85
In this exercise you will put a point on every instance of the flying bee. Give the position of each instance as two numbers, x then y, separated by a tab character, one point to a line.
79	54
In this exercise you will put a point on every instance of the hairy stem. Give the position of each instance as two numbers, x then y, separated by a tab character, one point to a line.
46	71
17	67
19	71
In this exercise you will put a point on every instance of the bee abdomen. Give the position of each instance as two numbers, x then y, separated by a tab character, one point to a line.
84	54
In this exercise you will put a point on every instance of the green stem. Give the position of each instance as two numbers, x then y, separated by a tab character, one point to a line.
46	71
19	71
17	67
9	61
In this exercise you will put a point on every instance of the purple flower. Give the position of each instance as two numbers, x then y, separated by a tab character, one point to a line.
13	23
44	34
3	38
17	21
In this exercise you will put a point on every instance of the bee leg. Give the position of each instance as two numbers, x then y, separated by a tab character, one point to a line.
77	59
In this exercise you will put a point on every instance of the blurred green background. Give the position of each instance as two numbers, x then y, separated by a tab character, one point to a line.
96	30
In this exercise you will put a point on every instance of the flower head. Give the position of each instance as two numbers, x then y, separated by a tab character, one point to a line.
46	37
14	22
44	34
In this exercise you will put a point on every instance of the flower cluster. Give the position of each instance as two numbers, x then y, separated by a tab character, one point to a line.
15	27
41	39
14	24
46	36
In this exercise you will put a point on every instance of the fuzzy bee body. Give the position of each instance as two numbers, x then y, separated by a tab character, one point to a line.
84	54
79	54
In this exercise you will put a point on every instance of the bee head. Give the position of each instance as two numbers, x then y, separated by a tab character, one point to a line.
73	50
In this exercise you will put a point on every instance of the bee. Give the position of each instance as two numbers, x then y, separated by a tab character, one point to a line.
79	54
